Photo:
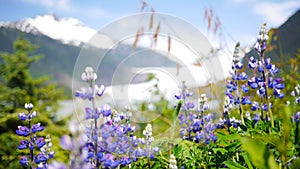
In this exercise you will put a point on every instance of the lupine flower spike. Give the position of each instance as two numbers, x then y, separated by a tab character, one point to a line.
267	80
196	127
30	131
233	88
112	143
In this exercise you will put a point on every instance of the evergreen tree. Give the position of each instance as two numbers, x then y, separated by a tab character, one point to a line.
18	87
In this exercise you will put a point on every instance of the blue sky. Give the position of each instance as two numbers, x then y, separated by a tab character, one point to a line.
240	19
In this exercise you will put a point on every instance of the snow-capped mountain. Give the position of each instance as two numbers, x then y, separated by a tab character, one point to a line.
67	30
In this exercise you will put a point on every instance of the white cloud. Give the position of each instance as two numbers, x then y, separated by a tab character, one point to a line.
275	13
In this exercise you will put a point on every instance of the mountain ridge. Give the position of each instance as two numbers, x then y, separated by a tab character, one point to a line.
67	30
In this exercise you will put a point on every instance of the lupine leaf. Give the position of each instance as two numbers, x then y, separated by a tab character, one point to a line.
259	154
234	165
221	150
247	160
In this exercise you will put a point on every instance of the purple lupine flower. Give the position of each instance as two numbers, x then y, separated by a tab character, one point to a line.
51	155
242	76
278	80
199	137
253	85
131	128
229	85
37	127
244	88
255	106
28	106
30	145
23	116
277	93
297	117
214	137
57	165
256	118
271	82
239	65
81	93
134	141
237	101
41	157
125	161
24	161
89	157
265	107
268	63
177	96
110	161
106	110
190	105
260	67
23	144
188	93
88	113
66	142
274	70
40	142
196	125
84	93
246	100
279	86
252	63
192	116
262	91
22	131
99	90
257	47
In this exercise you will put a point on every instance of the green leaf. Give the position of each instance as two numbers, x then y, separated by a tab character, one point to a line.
259	154
233	165
296	164
247	160
221	150
243	127
157	165
178	107
248	122
297	134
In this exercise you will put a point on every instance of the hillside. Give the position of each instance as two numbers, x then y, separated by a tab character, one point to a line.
57	58
60	58
289	34
284	42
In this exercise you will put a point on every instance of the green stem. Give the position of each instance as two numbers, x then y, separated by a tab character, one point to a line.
32	140
266	88
97	163
149	166
261	110
238	96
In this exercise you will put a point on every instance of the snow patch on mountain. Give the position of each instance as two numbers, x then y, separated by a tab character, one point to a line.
67	30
